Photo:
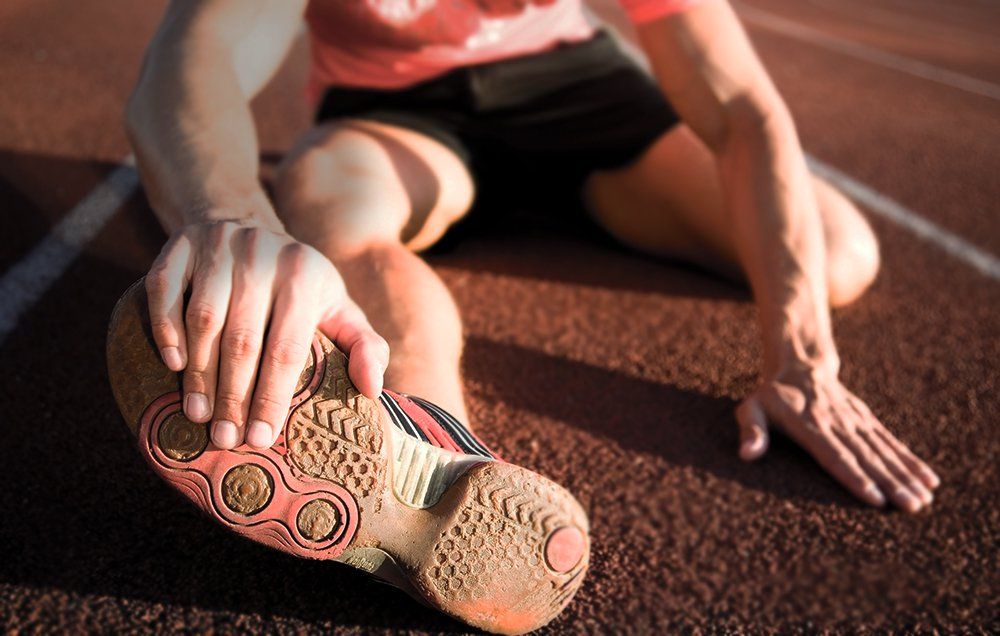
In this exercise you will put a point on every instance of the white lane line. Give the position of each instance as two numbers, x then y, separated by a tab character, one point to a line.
28	279
784	26
918	26
885	207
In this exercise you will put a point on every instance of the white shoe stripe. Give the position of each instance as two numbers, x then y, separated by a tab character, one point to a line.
401	419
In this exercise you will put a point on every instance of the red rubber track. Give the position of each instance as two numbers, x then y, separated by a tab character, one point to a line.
614	375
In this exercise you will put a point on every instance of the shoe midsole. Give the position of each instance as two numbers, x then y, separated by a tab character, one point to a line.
421	472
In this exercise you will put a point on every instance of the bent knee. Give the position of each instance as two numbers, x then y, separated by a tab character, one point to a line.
356	182
340	189
853	263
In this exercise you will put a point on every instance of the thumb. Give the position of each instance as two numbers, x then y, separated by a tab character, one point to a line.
368	352
753	429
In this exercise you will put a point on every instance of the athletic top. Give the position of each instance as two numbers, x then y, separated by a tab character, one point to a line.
391	44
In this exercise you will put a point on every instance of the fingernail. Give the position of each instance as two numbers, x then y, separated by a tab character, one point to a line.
933	478
260	434
925	495
172	358
196	407
908	500
224	434
752	446
875	495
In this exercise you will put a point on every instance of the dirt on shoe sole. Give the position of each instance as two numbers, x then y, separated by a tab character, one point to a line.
501	548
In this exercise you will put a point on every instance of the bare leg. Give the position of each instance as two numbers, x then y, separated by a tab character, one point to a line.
367	194
670	202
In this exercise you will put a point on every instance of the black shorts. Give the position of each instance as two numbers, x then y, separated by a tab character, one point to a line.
537	123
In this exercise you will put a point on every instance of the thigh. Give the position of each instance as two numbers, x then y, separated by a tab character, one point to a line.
670	202
667	202
353	179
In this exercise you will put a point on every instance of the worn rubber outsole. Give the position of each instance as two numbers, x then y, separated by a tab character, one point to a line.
487	542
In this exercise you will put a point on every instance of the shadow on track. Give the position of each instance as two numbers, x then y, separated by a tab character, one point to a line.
683	427
546	240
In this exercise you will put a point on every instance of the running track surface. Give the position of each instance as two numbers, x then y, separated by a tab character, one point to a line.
614	375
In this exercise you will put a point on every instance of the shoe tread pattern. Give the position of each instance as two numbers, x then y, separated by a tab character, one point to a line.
336	435
498	541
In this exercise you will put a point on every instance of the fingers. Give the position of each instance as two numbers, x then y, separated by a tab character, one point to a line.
909	469
281	288
911	461
842	434
752	421
903	474
204	319
293	323
838	460
242	338
165	285
368	351
888	480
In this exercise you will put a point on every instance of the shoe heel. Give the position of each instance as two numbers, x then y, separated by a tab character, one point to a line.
513	554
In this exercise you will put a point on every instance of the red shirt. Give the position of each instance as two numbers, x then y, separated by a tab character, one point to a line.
395	43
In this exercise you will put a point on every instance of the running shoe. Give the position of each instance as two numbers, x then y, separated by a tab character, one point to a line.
396	487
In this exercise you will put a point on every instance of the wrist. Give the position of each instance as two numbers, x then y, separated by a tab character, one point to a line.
793	370
252	210
800	341
795	358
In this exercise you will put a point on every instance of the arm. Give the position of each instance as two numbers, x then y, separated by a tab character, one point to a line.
706	66
190	125
189	117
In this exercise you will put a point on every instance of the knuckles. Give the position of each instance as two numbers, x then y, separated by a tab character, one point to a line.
265	403
202	317
157	281
288	352
161	327
257	245
195	380
241	343
228	248
230	403
298	260
249	238
217	233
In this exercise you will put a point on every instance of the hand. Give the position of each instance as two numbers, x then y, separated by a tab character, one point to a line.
247	281
813	408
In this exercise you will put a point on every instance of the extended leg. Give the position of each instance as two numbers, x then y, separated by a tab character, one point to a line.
367	194
670	202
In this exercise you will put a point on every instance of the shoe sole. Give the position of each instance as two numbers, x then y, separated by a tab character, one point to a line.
490	543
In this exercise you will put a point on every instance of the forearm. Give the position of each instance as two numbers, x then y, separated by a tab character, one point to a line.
193	134
707	68
779	238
